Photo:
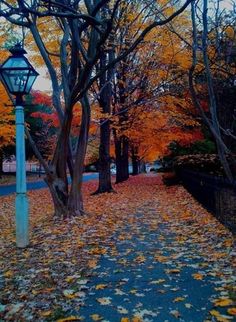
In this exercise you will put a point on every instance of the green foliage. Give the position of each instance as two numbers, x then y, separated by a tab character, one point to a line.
199	147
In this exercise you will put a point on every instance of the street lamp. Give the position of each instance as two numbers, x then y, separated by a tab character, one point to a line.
18	76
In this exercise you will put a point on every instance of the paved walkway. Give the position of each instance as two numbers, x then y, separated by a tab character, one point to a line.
136	283
155	272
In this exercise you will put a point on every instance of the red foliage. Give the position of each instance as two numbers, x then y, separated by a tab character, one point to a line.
191	137
205	106
41	98
47	118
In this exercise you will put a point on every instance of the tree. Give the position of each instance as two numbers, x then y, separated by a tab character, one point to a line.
154	75
80	32
7	126
207	53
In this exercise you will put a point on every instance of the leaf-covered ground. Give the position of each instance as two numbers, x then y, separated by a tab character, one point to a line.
146	253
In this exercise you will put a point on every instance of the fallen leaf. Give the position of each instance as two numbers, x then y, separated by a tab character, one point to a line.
104	300
140	259
178	299
69	294
92	263
8	274
232	311
197	276
96	317
172	271
69	279
100	286
223	302
219	317
161	280
70	318
46	313
136	319
175	313
122	310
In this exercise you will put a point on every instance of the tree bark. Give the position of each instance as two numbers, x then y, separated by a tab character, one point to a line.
75	201
1	163
143	167
67	202
122	158
104	146
135	161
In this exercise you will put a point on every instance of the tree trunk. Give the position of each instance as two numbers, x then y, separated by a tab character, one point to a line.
122	158
104	147
104	159
142	167
67	202
135	161
75	202
1	163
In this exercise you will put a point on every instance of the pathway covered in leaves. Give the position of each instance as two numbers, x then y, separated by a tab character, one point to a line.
147	253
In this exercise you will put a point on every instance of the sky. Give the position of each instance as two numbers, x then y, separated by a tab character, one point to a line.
42	83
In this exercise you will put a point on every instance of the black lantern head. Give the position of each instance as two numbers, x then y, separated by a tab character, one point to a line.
17	74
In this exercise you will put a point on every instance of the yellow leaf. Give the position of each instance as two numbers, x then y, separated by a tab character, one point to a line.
219	317
97	251
136	319
125	320
228	243
8	274
179	299
161	259
69	294
46	313
69	279
223	302
70	318
92	263
101	286
96	317
140	259
197	276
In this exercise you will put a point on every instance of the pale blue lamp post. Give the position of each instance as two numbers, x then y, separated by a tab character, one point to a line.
18	76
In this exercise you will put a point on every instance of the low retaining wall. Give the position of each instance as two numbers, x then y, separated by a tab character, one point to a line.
216	194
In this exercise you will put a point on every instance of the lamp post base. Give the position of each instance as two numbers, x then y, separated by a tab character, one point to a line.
22	220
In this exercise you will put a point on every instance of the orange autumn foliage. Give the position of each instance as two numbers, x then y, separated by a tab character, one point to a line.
7	126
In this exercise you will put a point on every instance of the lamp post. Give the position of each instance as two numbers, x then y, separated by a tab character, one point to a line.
18	76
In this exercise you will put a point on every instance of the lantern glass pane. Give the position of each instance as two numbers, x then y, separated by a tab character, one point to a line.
16	62
16	80
32	77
